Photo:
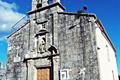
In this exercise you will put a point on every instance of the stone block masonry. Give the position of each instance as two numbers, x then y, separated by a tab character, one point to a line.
54	43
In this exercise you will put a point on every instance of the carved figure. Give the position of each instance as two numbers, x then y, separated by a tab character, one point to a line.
41	40
41	44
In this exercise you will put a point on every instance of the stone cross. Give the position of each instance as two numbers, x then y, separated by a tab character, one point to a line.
82	72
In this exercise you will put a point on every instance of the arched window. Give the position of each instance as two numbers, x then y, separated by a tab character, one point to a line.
41	41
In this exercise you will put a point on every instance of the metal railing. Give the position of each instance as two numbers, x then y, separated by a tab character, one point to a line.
23	21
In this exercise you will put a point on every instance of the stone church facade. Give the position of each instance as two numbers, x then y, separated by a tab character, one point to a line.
58	45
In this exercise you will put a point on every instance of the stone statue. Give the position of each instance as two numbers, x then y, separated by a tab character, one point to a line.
41	44
41	40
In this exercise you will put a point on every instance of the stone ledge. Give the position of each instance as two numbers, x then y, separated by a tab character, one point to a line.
37	56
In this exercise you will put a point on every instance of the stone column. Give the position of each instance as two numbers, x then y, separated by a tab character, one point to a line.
34	3
31	70
56	67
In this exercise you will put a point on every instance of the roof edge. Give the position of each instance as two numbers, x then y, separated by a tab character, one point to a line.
46	7
17	30
103	30
80	14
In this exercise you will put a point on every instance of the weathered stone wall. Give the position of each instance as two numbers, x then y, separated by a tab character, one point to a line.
47	19
77	47
24	38
18	39
73	36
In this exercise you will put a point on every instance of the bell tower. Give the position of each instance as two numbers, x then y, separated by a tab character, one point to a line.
39	3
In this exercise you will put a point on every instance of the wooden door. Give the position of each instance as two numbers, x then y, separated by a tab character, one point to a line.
43	74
